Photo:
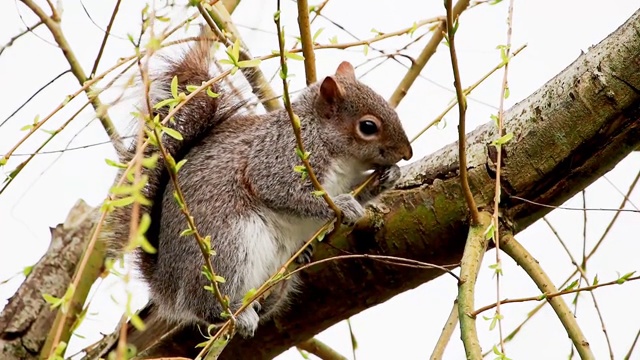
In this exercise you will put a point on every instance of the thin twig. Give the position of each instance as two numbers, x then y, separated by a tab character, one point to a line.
551	295
447	331
53	24
295	123
352	336
18	35
217	17
537	308
572	208
462	109
498	187
583	277
466	92
320	349
523	258
418	64
307	42
474	250
104	39
633	345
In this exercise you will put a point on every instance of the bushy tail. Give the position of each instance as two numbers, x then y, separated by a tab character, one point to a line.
193	121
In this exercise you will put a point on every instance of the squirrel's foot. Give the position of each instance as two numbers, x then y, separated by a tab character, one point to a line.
351	209
389	177
247	321
305	256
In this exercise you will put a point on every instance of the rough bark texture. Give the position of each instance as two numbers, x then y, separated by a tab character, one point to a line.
566	135
26	320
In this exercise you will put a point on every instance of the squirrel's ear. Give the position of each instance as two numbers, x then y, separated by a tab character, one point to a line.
330	90
346	69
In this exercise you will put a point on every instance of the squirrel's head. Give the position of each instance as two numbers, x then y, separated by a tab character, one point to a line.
368	128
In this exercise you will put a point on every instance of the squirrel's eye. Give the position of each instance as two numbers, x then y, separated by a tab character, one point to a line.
368	127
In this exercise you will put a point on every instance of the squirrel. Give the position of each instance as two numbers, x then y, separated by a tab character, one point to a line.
241	188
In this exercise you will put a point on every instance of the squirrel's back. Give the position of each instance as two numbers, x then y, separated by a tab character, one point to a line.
194	120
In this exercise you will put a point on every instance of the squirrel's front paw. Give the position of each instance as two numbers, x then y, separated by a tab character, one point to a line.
305	256
247	321
389	177
351	209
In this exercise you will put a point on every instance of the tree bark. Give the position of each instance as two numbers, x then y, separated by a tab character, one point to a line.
26	320
566	135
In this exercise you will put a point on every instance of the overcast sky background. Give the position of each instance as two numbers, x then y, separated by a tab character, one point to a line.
407	326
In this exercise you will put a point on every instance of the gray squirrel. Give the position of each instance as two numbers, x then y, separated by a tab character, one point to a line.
241	188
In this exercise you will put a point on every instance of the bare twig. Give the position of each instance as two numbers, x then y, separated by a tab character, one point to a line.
549	295
462	108
619	210
466	92
447	331
583	277
474	250
307	42
633	345
320	349
418	64
523	258
104	39
53	24
498	187
217	17
295	123
19	35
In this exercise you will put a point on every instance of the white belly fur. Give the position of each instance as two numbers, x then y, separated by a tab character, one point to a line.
276	237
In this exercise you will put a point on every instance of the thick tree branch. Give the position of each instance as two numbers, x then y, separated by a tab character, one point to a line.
566	135
587	117
26	319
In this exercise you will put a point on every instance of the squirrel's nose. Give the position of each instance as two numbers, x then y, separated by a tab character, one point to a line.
408	153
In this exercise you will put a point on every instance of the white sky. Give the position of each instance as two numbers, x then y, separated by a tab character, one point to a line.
407	326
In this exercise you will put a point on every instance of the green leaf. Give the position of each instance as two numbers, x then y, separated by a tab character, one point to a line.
294	56
137	322
187	232
151	161
317	33
122	202
115	164
296	121
595	280
3	161
191	88
26	127
333	40
495	119
489	232
52	300
625	277
365	49
211	93
318	193
174	87
248	296
163	103
249	63
27	270
172	132
571	286
506	92
220	279
321	236
503	140
180	164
